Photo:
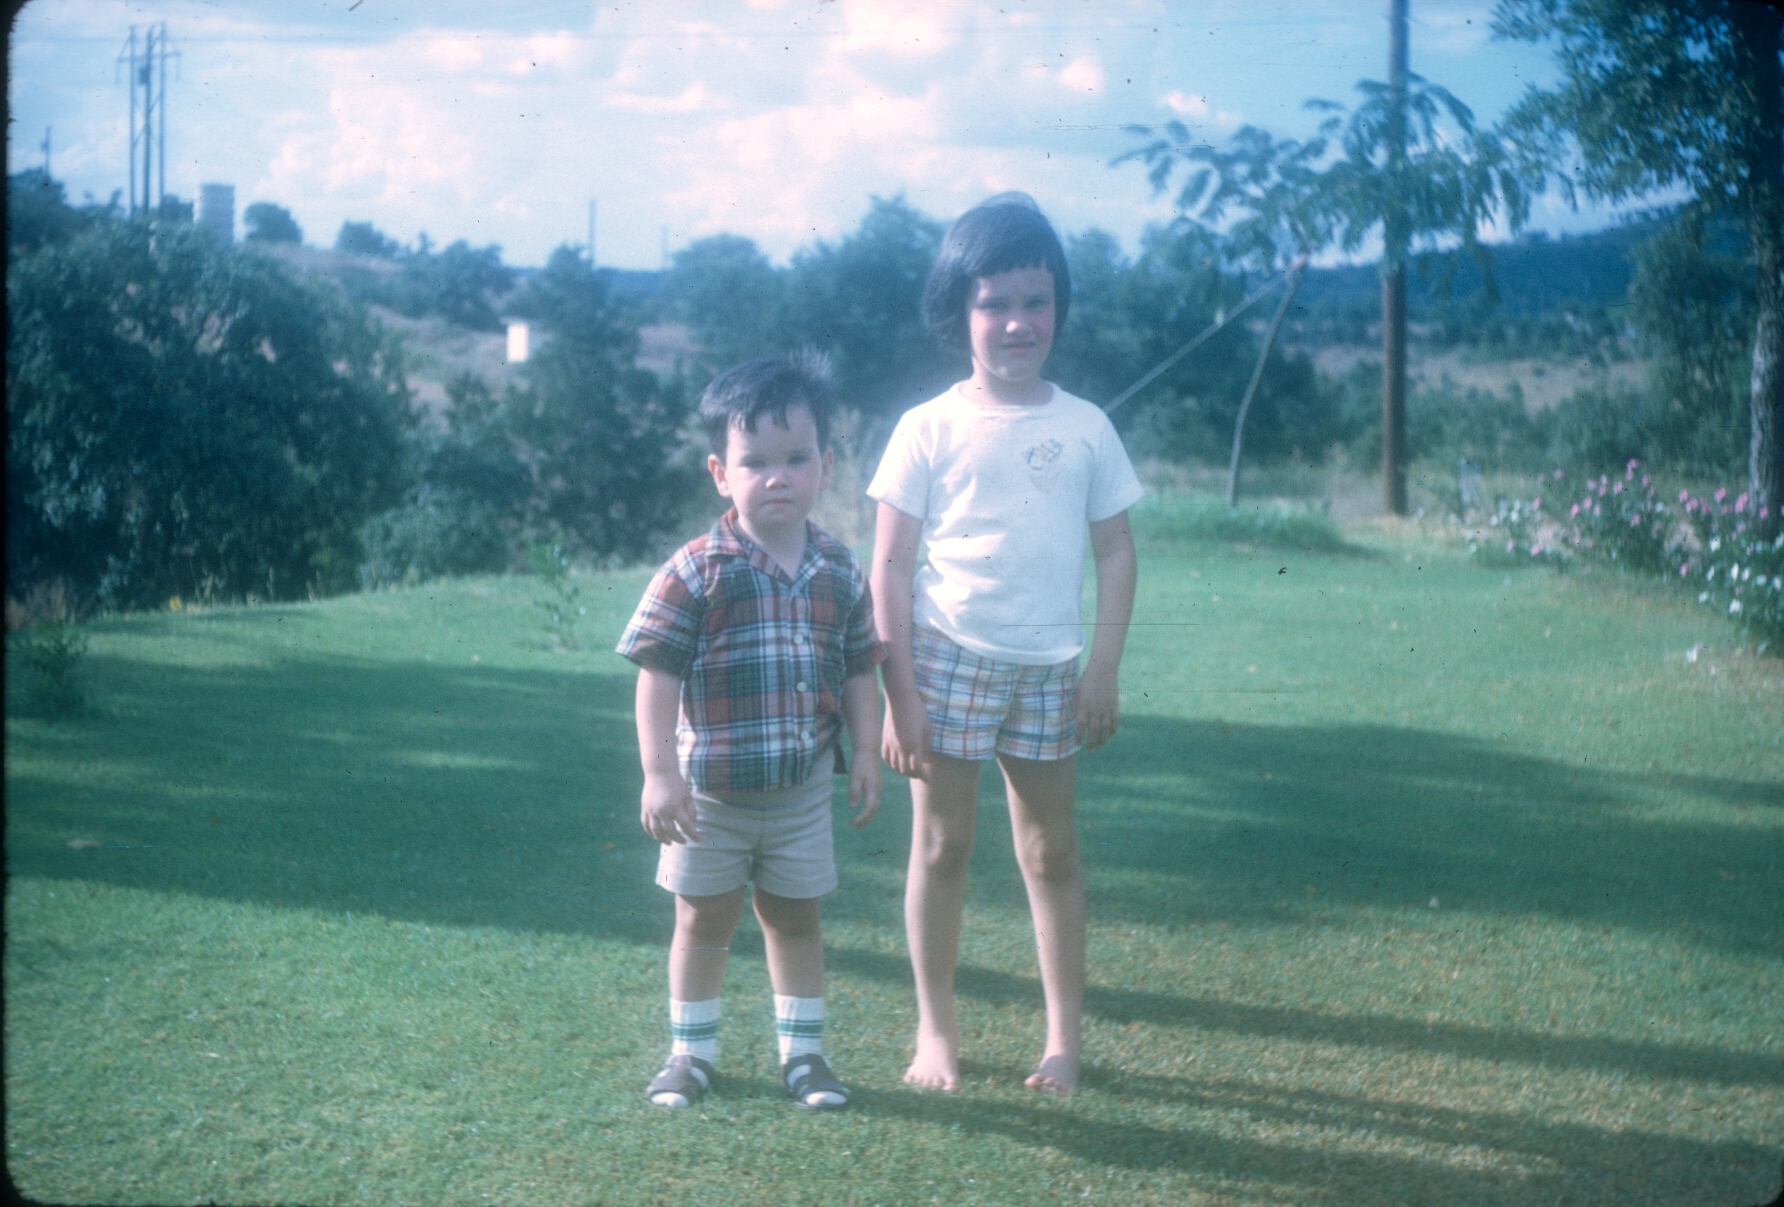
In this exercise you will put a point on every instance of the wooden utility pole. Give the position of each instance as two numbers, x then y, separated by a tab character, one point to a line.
1395	245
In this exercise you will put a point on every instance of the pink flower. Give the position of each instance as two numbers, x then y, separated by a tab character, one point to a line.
1557	475
1764	512
1535	504
1684	496
1595	510
1510	545
1647	481
1635	520
1575	510
1629	470
1691	506
1740	504
1721	493
1682	570
1617	489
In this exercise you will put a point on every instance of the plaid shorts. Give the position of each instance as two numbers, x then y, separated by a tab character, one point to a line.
980	706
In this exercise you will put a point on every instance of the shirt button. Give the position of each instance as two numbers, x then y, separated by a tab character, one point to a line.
807	735
799	639
799	686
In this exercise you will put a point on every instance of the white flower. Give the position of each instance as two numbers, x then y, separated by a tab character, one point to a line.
1734	607
1715	544
1747	574
1703	597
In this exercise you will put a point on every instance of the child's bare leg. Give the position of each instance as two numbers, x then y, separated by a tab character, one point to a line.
703	930
1046	836
794	945
942	812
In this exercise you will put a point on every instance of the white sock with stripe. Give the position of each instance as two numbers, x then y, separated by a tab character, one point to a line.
694	1029
799	1025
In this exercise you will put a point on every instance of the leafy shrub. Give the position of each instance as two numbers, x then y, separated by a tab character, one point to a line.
565	607
181	412
51	652
438	532
269	223
1738	567
1732	554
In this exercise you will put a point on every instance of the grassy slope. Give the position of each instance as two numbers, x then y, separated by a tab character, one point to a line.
371	917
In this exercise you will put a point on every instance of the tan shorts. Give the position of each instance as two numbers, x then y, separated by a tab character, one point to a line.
781	840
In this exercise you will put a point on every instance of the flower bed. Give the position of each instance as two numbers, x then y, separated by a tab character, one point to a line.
1726	550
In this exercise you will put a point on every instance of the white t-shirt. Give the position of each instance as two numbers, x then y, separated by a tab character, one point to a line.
1006	494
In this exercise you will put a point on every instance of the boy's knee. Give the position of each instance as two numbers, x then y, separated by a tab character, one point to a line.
945	851
788	917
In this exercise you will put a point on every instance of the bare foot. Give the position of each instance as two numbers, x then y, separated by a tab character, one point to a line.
1057	1074
937	1064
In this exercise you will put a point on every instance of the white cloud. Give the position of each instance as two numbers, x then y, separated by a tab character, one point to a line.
1082	75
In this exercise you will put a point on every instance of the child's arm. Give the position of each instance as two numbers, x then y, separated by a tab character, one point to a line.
861	712
668	806
1099	712
905	743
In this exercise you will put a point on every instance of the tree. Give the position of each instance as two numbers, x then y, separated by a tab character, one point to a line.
732	299
857	300
601	437
1661	95
364	239
269	223
1693	307
182	414
1426	190
460	284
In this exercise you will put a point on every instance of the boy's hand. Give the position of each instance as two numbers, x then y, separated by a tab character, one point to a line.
668	813
1098	707
864	787
904	739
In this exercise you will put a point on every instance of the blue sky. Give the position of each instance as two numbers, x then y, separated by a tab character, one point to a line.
774	119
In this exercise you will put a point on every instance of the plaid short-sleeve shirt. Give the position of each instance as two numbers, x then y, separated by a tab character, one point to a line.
761	657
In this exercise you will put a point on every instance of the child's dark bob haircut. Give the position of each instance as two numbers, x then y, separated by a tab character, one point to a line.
999	234
741	395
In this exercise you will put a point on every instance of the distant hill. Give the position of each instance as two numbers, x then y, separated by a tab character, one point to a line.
1534	274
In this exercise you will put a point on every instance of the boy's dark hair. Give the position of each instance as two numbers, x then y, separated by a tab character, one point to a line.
999	234
742	394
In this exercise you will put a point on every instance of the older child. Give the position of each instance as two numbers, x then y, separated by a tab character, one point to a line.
755	646
1002	478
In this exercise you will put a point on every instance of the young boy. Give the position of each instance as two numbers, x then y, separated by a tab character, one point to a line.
755	646
1001	478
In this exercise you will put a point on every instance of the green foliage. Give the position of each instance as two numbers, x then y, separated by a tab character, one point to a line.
364	239
1657	97
461	284
38	213
181	412
857	300
51	652
601	439
1737	562
436	533
1694	310
269	223
732	299
564	609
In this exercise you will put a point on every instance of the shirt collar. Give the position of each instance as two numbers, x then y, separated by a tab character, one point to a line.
729	540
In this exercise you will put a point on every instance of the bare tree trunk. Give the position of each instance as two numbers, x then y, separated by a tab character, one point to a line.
1393	280
1294	283
1759	35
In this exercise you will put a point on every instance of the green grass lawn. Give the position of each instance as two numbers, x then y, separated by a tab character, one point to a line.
1411	882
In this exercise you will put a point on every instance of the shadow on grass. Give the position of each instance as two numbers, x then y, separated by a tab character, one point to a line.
1381	1032
1538	1161
1193	821
483	796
